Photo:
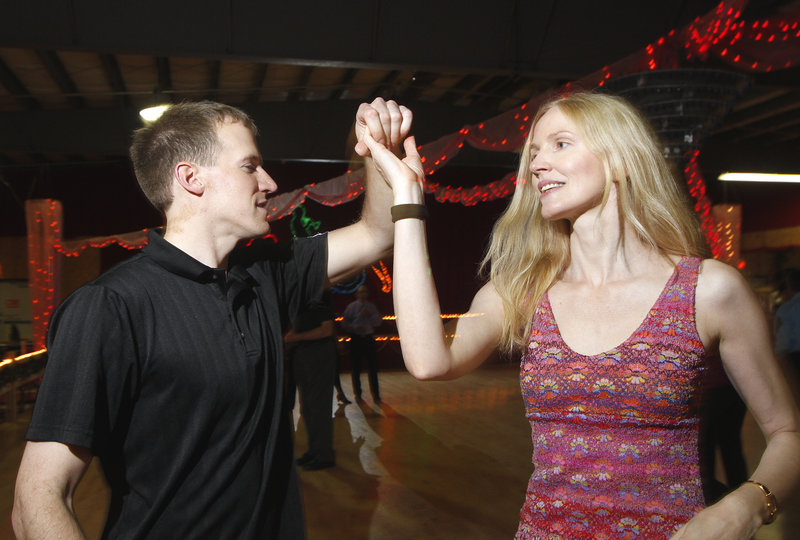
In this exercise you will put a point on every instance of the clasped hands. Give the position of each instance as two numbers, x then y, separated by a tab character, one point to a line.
381	127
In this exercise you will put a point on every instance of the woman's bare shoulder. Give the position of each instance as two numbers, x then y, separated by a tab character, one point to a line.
724	299
719	281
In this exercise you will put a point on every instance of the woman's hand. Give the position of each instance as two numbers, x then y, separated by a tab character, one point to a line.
732	518
405	176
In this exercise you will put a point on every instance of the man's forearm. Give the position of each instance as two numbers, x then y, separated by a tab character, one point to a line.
44	515
376	210
322	331
48	475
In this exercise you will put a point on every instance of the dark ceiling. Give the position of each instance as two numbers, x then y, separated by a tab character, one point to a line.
74	73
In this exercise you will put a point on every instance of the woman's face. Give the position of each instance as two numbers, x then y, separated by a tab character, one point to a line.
568	176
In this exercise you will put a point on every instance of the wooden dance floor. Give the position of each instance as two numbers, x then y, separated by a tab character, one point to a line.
436	460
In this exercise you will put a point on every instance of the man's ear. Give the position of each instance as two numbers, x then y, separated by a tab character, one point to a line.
186	174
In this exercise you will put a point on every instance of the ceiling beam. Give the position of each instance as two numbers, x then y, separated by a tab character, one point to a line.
164	74
419	82
214	67
257	82
782	104
387	88
283	129
114	78
16	88
510	88
756	98
298	93
347	78
770	125
488	89
462	88
59	74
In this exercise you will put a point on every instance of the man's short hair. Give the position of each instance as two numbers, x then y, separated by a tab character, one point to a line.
185	132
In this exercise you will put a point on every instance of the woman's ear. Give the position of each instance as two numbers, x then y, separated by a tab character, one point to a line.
187	176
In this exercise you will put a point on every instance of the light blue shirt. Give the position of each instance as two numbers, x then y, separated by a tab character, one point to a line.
361	318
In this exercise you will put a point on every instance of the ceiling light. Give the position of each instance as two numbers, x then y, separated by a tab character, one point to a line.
151	114
759	177
155	106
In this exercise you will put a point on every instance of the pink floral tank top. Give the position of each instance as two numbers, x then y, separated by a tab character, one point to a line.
615	435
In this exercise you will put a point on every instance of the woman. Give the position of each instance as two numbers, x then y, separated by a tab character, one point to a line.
596	275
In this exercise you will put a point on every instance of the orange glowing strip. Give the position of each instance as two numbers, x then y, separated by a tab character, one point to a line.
384	275
9	361
386	338
377	338
443	316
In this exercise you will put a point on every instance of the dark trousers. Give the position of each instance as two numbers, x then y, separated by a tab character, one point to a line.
723	429
363	348
314	366
337	382
794	361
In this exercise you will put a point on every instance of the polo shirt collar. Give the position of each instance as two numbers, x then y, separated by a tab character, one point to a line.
177	261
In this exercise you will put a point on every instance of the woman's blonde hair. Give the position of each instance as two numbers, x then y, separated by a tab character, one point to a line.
527	253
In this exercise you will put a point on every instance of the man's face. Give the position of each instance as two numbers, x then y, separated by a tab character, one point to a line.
236	185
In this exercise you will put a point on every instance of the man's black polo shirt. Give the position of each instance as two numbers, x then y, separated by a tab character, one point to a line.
171	373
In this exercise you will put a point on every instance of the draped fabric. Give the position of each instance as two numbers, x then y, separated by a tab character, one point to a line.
721	35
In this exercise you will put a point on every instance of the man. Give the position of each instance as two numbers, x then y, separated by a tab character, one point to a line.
169	367
360	318
313	352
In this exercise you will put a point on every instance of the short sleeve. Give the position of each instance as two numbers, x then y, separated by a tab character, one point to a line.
313	316
292	274
305	275
90	375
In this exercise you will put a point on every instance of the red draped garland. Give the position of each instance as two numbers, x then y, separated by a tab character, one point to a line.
721	34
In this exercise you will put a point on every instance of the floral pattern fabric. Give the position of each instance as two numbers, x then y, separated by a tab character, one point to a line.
615	435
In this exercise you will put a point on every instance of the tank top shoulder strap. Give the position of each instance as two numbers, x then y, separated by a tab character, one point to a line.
679	294
688	271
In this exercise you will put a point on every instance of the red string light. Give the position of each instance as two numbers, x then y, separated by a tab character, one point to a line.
719	33
697	189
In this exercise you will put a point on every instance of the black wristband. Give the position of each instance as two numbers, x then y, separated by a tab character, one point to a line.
405	211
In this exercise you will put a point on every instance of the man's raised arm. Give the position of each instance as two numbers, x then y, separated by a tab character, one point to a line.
356	246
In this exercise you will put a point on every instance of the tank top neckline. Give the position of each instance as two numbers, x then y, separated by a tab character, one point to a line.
549	312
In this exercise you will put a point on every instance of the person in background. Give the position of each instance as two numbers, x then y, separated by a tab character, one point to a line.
360	318
341	397
313	357
722	432
597	276
787	321
169	367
